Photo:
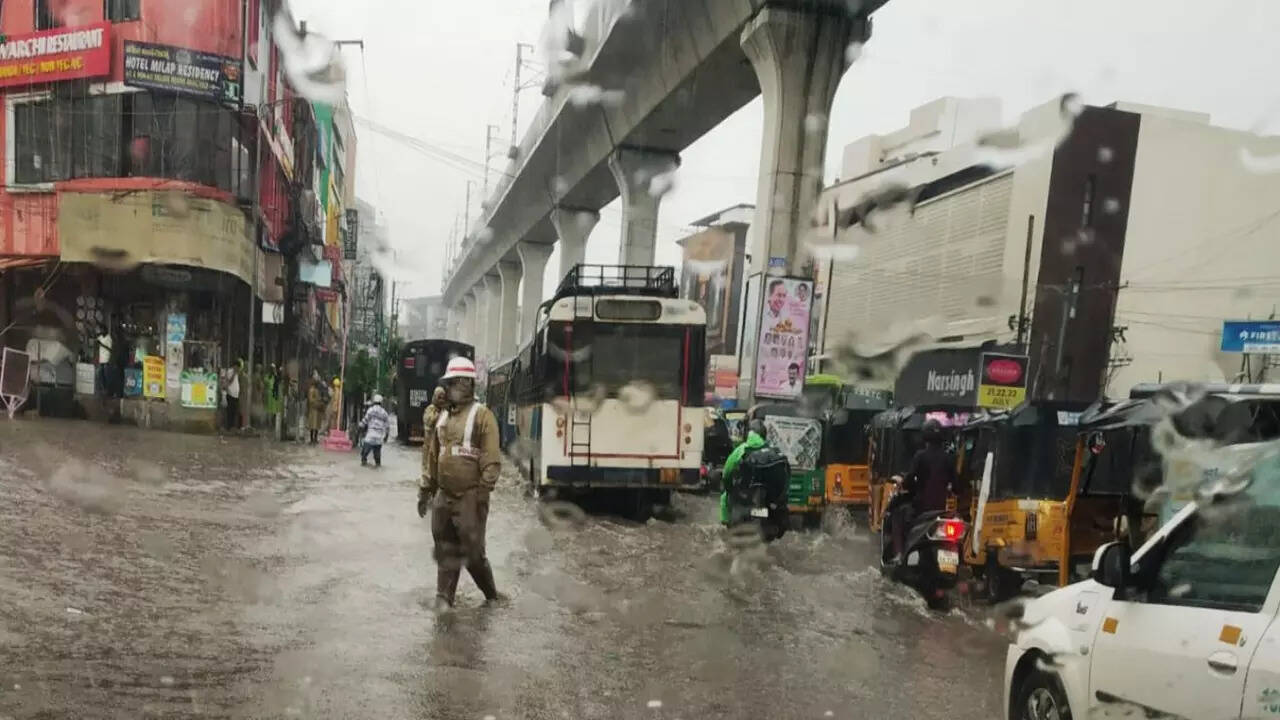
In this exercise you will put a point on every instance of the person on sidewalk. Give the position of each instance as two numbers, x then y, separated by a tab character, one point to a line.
377	427
231	381
463	461
430	416
315	408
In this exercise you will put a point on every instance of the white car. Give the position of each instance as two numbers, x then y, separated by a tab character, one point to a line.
1184	628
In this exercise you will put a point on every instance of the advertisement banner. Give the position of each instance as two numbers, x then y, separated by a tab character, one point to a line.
800	439
199	389
182	71
86	378
153	377
1003	381
933	378
1251	336
176	328
146	227
54	55
132	382
782	349
711	275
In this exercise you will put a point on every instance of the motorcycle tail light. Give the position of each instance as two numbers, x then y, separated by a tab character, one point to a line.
952	530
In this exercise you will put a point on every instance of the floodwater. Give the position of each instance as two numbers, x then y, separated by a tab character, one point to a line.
146	574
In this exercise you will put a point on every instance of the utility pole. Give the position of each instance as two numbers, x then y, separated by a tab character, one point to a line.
466	213
488	154
1026	270
515	97
1069	300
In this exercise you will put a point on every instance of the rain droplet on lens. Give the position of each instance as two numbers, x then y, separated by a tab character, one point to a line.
1105	154
654	704
662	183
263	504
853	52
984	301
815	123
1111	206
1178	591
637	396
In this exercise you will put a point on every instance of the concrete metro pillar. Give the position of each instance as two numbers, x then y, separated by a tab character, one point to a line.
491	316
635	170
573	227
508	320
533	262
799	58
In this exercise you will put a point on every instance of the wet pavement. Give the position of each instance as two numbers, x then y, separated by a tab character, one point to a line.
147	574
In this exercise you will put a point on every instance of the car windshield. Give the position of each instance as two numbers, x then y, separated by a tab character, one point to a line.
398	358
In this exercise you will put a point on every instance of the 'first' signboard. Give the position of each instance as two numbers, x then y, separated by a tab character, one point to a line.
1251	336
53	55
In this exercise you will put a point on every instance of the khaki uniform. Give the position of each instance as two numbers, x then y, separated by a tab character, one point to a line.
315	407
430	416
463	460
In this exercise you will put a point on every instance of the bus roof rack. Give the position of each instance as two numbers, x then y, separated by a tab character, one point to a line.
582	279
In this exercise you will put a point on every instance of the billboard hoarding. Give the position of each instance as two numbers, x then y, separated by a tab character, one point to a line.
1251	336
783	342
182	71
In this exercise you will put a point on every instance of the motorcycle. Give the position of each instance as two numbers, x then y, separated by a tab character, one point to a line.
931	553
759	504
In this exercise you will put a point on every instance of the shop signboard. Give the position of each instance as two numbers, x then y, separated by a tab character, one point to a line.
1002	383
1251	336
782	348
351	238
153	377
942	377
144	228
15	379
326	295
55	55
199	389
182	71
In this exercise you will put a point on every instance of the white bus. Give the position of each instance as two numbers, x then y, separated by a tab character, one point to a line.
607	397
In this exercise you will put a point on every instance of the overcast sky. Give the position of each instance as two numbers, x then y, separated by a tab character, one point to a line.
441	70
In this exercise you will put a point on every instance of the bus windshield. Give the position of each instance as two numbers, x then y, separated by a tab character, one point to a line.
614	355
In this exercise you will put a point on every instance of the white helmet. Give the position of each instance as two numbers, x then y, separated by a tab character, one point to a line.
459	367
377	400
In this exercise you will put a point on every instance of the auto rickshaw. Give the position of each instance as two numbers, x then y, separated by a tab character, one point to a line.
800	439
1047	495
895	439
846	412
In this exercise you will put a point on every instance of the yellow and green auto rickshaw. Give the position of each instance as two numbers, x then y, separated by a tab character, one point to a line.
845	411
799	438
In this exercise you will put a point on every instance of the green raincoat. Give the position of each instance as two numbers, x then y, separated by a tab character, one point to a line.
753	442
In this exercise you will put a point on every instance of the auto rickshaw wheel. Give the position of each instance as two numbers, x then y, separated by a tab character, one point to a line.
1001	584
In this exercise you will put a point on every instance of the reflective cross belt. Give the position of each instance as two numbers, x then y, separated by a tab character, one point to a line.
465	449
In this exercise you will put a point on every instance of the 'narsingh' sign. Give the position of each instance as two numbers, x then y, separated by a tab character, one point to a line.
53	55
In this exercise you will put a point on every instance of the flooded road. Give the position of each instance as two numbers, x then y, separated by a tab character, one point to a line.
146	574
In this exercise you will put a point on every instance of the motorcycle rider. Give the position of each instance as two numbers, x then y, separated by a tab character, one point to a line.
756	439
927	484
463	461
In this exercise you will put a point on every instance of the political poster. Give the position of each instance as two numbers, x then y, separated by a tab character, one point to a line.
782	349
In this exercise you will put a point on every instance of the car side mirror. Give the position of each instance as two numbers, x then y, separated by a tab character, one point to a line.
1111	565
